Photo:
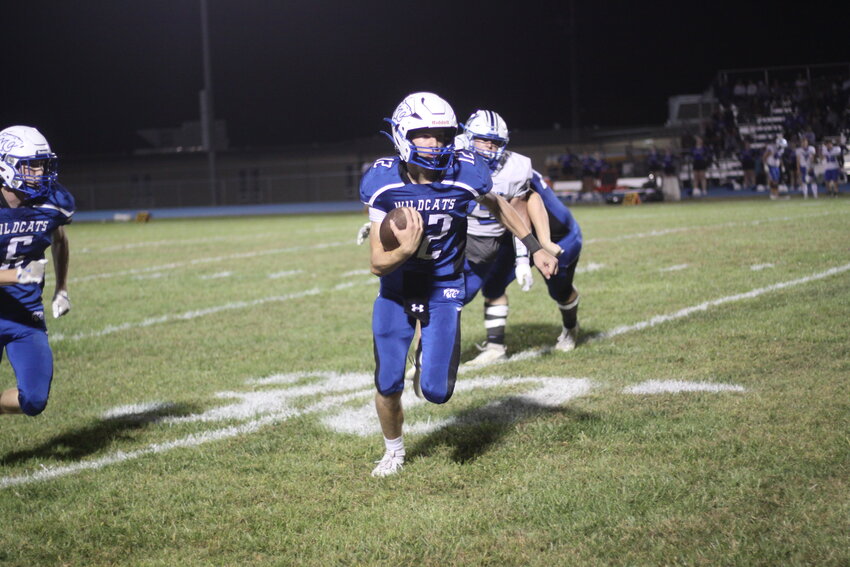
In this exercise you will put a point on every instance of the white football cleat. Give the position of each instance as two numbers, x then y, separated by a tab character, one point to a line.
390	464
490	353
567	339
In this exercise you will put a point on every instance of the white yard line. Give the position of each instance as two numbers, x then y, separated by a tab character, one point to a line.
194	314
705	306
208	260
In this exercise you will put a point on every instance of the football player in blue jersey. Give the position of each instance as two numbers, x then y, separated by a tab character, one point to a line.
557	229
33	210
422	281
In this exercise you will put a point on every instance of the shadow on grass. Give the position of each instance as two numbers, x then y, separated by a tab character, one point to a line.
74	445
525	336
476	430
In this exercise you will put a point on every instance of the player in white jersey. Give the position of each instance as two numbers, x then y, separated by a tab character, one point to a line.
489	249
831	157
805	168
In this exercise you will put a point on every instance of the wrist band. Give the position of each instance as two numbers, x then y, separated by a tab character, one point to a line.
530	242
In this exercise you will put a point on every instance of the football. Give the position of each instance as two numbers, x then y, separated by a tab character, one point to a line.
388	239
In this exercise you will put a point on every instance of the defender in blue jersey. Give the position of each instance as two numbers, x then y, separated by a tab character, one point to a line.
33	210
422	280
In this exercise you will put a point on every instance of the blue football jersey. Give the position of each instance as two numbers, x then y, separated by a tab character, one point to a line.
25	234
443	205
561	221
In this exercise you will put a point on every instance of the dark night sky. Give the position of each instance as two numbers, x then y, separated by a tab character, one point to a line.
89	74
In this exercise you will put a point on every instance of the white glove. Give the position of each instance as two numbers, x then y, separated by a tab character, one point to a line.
61	304
32	272
363	233
524	277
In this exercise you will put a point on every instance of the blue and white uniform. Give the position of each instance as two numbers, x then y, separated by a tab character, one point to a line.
805	159
831	158
773	161
25	234
429	286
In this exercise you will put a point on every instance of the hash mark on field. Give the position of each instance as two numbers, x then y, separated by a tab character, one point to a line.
215	276
590	267
759	267
677	386
675	268
286	273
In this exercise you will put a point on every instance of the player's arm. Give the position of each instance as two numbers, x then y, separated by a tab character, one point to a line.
522	266
540	220
32	272
510	219
385	261
61	259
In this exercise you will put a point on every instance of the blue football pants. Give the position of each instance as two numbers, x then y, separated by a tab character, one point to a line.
32	361
393	332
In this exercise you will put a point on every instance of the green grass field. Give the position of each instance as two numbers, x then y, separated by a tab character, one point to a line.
212	403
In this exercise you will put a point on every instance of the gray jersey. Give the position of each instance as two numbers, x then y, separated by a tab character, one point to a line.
510	180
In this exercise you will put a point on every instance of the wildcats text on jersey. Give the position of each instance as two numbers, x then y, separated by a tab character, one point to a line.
20	227
438	204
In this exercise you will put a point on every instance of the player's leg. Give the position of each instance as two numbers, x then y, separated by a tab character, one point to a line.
496	306
392	331
32	361
474	274
441	349
563	291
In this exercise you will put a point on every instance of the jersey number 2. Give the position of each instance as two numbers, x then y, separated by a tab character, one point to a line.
445	222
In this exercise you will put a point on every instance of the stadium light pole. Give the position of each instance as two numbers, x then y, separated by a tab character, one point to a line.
574	112
207	120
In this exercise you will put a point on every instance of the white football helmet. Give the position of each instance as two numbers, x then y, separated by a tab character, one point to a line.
487	125
24	151
419	111
781	143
